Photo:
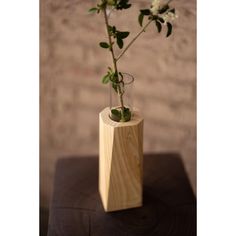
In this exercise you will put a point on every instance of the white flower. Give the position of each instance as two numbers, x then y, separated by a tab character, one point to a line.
169	16
155	7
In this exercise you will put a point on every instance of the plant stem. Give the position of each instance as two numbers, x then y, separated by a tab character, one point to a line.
120	94
133	40
110	41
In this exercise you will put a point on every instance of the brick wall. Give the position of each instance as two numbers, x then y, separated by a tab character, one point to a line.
72	95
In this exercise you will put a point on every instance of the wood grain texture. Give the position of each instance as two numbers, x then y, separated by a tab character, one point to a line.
120	162
169	204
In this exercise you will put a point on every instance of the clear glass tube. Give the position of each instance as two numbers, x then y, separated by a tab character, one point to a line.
121	96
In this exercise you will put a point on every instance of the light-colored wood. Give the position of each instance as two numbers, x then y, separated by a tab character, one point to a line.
120	162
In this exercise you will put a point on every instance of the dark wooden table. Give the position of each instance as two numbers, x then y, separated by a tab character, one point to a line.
169	207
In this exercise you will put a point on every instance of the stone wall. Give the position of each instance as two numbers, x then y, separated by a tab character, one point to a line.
71	93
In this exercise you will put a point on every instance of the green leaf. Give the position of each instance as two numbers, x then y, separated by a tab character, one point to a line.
160	19
93	10
119	42
140	19
115	115
110	28
123	35
114	77
106	79
102	5
169	29
126	115
127	6
114	86
145	12
163	9
111	2
158	25
104	45
123	4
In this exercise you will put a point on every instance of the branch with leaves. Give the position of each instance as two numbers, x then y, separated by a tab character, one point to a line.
159	13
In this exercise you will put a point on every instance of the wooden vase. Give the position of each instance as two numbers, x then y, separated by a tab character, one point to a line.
120	162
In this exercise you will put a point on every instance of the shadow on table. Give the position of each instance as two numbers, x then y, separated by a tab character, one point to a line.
169	204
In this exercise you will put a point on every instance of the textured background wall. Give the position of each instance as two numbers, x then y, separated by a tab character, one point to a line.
72	95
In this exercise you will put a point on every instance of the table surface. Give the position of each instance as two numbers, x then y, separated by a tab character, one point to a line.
169	204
